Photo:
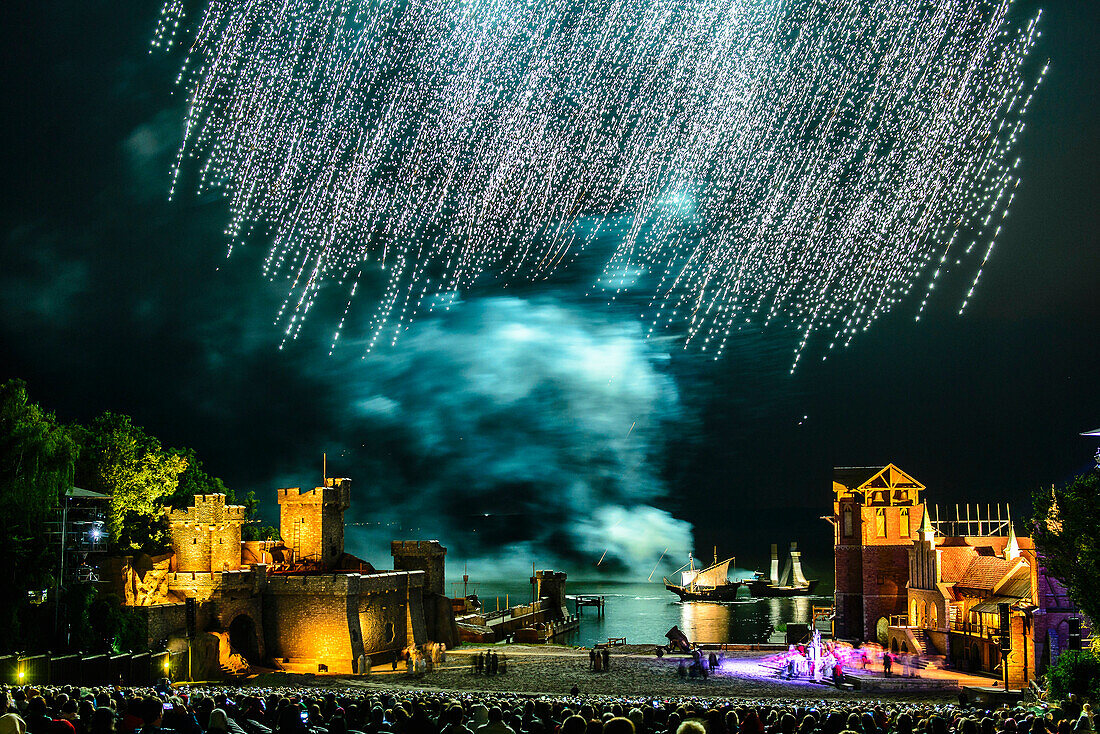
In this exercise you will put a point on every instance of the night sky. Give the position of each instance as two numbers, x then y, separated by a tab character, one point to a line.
114	298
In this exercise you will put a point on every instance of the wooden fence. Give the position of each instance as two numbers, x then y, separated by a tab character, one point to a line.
131	669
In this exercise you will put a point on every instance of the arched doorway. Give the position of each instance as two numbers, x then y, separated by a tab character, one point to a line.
894	646
243	637
882	630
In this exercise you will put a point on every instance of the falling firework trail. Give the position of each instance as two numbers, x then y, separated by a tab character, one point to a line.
807	163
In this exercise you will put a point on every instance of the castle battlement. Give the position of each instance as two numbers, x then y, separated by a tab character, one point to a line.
311	522
342	584
206	536
426	548
208	509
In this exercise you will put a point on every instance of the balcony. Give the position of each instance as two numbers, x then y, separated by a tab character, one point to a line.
974	629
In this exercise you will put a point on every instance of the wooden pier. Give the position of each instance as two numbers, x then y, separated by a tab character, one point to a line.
589	600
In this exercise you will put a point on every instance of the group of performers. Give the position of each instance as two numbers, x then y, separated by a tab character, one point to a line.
825	662
815	661
421	659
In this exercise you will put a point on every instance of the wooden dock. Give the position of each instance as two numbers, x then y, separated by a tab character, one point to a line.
589	600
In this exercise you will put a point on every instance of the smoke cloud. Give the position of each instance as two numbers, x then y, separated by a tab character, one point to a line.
516	431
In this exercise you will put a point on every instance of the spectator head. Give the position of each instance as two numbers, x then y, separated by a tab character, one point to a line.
691	726
574	725
218	721
618	725
12	724
152	711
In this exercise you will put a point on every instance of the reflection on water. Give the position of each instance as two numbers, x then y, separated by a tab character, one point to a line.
746	621
643	613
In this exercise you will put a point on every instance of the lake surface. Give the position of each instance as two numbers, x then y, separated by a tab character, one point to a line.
644	612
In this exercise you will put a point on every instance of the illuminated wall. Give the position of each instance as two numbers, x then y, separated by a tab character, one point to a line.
312	522
332	619
207	536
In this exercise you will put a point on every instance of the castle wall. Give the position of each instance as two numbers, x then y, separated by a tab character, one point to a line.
332	619
421	555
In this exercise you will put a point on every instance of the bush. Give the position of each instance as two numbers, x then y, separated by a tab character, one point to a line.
1076	671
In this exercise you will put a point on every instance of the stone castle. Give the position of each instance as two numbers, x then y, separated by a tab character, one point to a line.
300	604
963	588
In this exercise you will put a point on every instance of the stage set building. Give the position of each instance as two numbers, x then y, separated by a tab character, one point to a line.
300	604
919	583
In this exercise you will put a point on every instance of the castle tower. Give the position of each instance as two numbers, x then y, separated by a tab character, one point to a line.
312	522
421	555
551	585
876	515
207	536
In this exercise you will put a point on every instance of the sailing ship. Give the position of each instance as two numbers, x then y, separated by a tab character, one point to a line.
776	584
706	584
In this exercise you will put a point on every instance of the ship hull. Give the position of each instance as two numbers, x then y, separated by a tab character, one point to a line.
765	589
727	592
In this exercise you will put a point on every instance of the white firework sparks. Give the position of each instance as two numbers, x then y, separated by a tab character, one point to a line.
830	155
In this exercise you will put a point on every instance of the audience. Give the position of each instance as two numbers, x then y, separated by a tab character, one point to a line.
244	710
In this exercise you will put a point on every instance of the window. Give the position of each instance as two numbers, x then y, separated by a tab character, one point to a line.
880	522
847	522
903	522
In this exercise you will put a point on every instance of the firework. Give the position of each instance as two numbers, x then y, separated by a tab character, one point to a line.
810	162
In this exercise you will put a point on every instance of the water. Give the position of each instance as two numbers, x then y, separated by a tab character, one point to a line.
644	612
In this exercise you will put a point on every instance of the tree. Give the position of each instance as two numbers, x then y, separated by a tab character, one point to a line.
121	460
194	480
37	459
1077	672
1067	536
253	529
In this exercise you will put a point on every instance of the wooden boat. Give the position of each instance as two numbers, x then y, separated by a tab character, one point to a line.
706	584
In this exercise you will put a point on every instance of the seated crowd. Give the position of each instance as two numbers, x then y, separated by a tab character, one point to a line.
203	710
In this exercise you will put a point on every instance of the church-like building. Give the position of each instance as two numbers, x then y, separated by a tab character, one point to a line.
963	588
300	604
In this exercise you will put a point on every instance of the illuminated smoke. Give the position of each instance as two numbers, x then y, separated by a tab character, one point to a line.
808	162
515	430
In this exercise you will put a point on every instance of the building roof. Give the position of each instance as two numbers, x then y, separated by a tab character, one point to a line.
87	494
984	572
1019	586
853	476
954	560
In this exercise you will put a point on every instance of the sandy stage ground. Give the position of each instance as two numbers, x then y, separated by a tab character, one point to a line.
635	671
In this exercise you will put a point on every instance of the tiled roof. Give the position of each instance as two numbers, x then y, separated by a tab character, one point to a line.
954	560
984	572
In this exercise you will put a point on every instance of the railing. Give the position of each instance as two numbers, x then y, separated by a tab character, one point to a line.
974	629
899	620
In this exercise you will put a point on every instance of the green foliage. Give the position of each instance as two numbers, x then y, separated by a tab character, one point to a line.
115	628
123	461
194	480
37	458
253	529
1067	535
1076	671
